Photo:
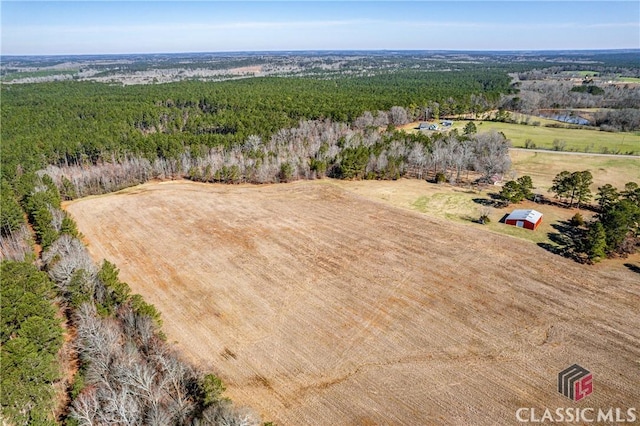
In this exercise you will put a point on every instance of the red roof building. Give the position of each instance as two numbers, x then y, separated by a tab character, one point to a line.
529	219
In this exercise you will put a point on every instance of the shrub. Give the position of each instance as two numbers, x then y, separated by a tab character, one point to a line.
286	172
320	167
484	219
559	145
577	220
440	177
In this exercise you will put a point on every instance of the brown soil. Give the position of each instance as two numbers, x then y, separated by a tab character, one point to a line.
318	306
69	365
248	69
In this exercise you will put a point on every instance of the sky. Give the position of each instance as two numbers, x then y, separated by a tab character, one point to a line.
115	27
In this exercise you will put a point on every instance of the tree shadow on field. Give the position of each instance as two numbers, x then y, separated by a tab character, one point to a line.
472	219
494	200
483	202
633	268
566	242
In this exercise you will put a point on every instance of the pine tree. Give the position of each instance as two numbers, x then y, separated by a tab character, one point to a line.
574	186
632	193
583	181
511	192
596	242
470	128
515	191
607	196
526	186
11	215
560	185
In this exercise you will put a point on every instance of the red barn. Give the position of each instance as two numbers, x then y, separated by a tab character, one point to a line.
529	219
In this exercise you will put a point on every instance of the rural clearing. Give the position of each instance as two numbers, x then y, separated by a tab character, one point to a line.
317	305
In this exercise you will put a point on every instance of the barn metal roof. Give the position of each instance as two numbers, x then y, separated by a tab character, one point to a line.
528	215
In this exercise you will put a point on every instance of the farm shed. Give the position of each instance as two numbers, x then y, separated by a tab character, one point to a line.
529	219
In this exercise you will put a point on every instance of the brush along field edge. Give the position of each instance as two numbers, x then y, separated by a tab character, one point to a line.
318	306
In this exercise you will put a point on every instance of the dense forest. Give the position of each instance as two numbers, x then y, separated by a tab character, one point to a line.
82	123
68	139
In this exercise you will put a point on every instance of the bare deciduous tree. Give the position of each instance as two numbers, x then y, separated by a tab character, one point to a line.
491	151
225	414
85	407
65	256
398	116
364	121
16	244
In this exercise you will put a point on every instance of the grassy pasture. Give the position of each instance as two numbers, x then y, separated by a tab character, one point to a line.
458	205
581	73
35	74
629	79
544	166
579	140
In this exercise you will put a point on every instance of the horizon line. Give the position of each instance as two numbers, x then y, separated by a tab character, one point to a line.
542	50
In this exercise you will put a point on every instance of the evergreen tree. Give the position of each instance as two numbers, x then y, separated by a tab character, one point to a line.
470	128
515	191
582	191
117	291
621	222
511	192
596	242
574	186
11	215
607	196
31	337
632	193
526	186
560	185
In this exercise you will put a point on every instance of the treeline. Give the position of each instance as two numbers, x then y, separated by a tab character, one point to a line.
312	150
85	123
127	373
625	119
558	93
550	89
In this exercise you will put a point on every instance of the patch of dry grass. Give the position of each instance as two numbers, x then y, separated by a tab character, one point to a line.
544	166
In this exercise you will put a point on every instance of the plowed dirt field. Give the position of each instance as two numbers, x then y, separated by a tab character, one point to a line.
320	306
